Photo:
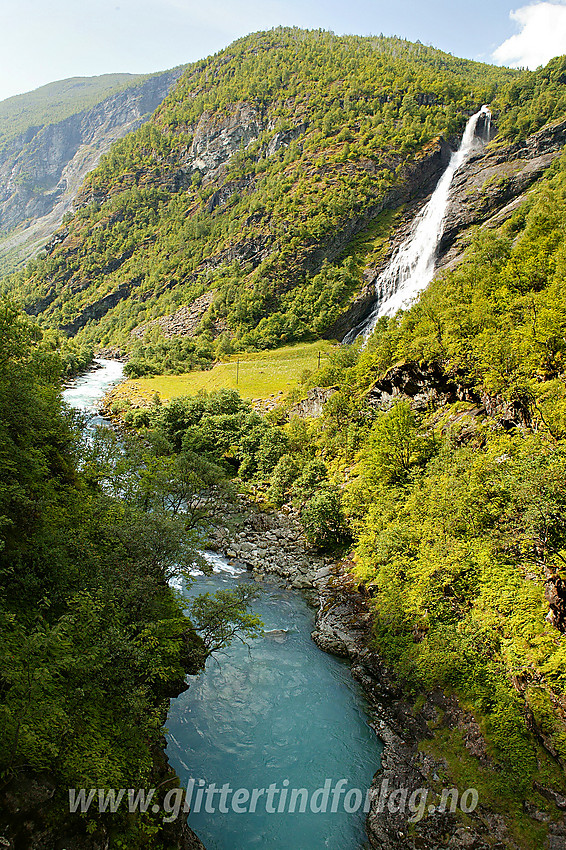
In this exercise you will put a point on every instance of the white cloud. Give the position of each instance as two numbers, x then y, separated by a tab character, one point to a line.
542	36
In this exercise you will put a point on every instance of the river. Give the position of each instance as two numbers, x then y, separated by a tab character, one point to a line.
277	713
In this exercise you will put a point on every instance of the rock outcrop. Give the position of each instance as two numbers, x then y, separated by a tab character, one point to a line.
312	406
97	309
485	191
428	385
270	543
216	139
183	322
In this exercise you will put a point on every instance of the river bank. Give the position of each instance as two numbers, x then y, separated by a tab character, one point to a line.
418	735
353	742
431	741
84	393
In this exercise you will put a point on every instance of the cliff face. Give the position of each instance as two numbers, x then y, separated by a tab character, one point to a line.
486	191
490	186
42	169
215	142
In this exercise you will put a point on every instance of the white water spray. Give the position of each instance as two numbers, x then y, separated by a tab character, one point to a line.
411	268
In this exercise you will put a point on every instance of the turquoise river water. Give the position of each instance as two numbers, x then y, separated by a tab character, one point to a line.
278	712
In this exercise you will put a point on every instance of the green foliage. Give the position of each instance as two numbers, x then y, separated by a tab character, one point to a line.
265	236
166	356
57	101
223	616
282	478
533	99
394	447
94	640
323	520
458	517
221	429
499	318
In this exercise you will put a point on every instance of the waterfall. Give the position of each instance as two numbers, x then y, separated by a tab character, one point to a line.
411	268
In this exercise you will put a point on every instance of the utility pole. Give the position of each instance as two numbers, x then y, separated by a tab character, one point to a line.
319	359
237	371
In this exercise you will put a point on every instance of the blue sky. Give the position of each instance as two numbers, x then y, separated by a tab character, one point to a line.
42	42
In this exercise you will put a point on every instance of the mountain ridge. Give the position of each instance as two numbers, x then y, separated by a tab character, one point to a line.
43	167
241	182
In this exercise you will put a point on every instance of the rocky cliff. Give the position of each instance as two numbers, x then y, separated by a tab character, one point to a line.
490	186
42	169
486	191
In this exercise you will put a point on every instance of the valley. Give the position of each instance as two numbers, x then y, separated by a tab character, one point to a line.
332	271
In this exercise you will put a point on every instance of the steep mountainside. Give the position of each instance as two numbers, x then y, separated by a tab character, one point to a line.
50	139
269	178
56	101
260	201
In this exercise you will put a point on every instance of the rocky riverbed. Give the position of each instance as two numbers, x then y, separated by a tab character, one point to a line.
271	544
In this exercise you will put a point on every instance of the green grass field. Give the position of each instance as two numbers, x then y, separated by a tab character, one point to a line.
257	375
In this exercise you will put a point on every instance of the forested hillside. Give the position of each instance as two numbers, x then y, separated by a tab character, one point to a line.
250	186
446	439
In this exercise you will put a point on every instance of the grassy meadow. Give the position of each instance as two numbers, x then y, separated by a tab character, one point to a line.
255	375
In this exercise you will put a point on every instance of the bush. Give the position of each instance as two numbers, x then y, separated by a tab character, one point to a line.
323	520
282	479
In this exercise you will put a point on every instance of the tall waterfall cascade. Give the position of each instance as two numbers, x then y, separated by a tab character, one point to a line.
411	268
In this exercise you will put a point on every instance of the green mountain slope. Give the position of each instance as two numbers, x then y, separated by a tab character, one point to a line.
51	138
265	161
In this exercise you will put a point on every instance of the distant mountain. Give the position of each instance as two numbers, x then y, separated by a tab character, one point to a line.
54	102
52	137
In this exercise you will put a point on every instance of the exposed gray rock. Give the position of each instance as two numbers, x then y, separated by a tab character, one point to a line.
283	138
341	623
491	182
42	171
427	384
423	383
312	406
343	627
217	138
184	322
99	308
